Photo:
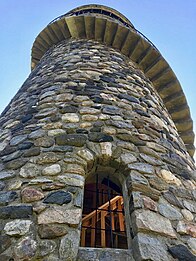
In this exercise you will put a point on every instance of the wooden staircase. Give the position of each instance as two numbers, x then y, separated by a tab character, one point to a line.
111	210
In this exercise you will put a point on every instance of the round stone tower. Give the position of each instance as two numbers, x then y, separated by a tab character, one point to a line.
100	109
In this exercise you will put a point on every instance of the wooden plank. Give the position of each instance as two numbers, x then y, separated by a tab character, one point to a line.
93	231
120	215
83	237
103	239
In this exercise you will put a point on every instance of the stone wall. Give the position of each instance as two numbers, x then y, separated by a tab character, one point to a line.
87	107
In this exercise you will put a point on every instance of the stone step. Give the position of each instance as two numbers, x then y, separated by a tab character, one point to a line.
148	61
99	28
64	28
139	49
169	89
188	137
57	31
89	26
110	32
76	26
120	37
184	127
51	35
180	112
44	37
41	44
176	98
163	77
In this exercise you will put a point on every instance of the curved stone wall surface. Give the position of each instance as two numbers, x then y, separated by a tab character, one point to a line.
87	108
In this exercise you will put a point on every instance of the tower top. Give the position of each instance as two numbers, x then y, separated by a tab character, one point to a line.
111	28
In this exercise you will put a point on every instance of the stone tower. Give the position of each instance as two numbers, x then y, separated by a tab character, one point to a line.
101	110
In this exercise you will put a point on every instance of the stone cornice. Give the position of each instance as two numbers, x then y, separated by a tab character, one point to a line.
109	27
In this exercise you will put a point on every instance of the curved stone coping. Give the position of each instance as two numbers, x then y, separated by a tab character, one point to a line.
132	44
98	9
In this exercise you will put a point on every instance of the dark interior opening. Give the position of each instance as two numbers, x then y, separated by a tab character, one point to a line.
103	222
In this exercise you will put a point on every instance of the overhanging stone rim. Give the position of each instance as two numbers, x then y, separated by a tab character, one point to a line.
38	53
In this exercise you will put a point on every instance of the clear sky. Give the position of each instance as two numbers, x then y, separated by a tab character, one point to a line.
169	24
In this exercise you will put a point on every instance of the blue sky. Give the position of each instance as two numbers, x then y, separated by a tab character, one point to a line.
169	24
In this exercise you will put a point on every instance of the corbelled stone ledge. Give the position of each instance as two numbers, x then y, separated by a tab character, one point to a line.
108	26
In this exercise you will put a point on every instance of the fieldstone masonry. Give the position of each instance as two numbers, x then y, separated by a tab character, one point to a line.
87	108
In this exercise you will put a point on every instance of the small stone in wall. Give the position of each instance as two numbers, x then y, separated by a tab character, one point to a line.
151	160
192	244
52	170
17	227
36	134
52	230
25	249
2	185
128	158
77	140
181	253
172	199
15	185
187	214
149	203
45	142
6	174
29	171
7	197
169	177
5	242
99	137
56	132
17	139
146	220
53	186
38	207
47	158
169	212
70	117
106	150
60	215
21	211
69	245
72	180
46	247
142	167
59	197
186	228
190	205
86	154
149	247
30	194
